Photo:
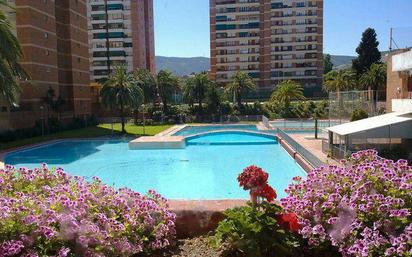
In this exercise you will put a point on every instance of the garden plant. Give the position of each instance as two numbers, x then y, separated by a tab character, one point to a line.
363	209
46	212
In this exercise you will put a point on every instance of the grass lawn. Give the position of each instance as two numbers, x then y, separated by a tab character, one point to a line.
90	132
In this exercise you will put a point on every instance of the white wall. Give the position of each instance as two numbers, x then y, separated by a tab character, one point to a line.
402	105
402	62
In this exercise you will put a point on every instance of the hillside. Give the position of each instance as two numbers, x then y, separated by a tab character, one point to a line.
182	66
341	61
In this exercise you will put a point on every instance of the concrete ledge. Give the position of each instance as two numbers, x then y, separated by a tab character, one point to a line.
164	142
306	166
198	217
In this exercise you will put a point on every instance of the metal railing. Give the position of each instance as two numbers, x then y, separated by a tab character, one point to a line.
302	151
265	121
334	152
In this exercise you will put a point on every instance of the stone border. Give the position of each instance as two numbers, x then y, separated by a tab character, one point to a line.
306	166
198	217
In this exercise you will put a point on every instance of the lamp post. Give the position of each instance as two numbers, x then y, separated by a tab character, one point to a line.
144	119
42	119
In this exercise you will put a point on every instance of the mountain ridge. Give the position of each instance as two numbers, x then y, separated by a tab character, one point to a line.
183	66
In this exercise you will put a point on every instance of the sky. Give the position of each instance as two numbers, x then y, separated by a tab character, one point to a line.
182	26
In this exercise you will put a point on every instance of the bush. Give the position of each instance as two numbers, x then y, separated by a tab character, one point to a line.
254	231
260	228
363	209
50	213
358	114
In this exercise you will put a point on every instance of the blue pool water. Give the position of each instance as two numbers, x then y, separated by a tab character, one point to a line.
238	138
200	171
192	130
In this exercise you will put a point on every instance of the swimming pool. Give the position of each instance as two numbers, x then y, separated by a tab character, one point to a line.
192	130
199	171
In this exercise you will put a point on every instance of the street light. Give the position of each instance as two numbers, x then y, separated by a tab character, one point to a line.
144	119
42	119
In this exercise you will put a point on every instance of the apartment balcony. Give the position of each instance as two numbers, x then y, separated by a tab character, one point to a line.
225	2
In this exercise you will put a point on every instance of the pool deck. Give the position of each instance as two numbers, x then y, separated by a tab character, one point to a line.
314	145
157	142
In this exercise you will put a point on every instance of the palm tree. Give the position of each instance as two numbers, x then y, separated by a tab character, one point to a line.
339	80
121	91
374	78
147	81
287	91
10	55
195	88
167	85
241	82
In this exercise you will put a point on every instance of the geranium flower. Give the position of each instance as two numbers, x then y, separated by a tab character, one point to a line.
289	221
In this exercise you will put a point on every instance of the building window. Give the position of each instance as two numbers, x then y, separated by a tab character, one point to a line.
46	35
78	59
47	52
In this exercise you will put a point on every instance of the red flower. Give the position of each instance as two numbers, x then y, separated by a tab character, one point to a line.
266	192
289	221
252	177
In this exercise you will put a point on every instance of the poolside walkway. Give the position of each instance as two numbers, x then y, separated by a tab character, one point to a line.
314	145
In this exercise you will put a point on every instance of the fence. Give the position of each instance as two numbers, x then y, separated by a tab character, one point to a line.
334	152
265	121
308	156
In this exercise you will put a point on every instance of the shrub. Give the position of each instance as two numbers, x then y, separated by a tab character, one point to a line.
358	114
363	209
261	228
254	231
48	212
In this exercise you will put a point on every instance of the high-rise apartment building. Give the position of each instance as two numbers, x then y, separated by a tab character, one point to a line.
271	40
120	33
53	37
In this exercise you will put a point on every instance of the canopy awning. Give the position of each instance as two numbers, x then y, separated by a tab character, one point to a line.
371	123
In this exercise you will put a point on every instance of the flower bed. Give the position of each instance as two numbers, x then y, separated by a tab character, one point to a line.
363	209
47	212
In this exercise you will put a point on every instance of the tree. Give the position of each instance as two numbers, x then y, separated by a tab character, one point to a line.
368	52
195	88
241	83
339	80
53	103
167	85
327	63
375	77
213	100
287	91
10	55
121	91
147	81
